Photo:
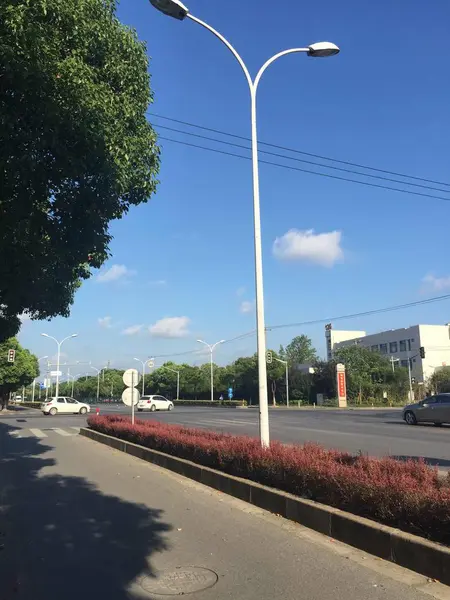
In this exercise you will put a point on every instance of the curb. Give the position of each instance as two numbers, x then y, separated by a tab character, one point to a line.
404	549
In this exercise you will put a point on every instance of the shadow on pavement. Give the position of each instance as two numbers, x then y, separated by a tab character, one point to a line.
62	538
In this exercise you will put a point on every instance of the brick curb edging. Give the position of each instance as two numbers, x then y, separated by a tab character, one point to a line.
407	550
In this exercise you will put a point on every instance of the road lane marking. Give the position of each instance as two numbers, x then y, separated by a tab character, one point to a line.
77	429
61	431
38	433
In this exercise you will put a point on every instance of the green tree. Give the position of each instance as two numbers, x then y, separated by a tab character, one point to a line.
299	351
439	382
15	375
77	148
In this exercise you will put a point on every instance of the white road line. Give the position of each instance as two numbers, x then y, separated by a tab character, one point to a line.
61	431
38	433
77	429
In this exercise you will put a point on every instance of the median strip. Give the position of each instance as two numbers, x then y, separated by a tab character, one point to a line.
300	479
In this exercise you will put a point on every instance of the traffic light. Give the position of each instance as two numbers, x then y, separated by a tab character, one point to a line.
413	380
11	355
422	352
269	357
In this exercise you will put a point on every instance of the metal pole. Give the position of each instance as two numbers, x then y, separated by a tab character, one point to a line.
143	378
46	380
132	398
178	385
212	375
410	380
34	387
57	370
287	385
98	386
73	384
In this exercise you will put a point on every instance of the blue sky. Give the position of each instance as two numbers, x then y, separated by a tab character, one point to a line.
183	263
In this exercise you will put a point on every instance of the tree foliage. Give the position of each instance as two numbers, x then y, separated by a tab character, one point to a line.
299	351
20	373
77	149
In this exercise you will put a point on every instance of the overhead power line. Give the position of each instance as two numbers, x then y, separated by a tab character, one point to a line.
291	168
297	151
301	160
323	320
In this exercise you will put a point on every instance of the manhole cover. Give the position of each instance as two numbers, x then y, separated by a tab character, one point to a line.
182	580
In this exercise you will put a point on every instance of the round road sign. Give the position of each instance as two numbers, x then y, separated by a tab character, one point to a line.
131	377
130	396
151	363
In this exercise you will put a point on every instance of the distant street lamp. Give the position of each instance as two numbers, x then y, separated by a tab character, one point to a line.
285	362
98	371
34	380
211	350
59	355
178	379
177	10
143	363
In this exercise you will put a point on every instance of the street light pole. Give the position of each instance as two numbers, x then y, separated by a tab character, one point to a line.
143	374
177	10
178	379
58	355
211	350
285	362
34	380
98	380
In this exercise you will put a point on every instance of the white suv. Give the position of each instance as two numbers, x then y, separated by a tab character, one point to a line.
154	403
64	404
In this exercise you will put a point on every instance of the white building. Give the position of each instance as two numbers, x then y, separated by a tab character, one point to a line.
399	345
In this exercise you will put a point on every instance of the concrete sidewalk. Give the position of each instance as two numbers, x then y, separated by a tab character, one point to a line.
79	520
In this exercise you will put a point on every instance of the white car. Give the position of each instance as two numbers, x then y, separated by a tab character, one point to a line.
154	403
64	404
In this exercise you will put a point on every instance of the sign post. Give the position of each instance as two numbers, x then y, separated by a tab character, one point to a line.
230	393
341	385
130	395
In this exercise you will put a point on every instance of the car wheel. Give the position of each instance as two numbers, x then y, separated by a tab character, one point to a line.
153	408
170	407
53	411
410	418
83	410
139	409
438	424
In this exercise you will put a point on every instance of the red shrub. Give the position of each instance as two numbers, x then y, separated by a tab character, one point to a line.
408	495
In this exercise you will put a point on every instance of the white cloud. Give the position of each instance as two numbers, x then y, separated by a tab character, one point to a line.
322	248
114	273
133	330
24	317
105	322
158	283
170	327
246	307
436	284
240	291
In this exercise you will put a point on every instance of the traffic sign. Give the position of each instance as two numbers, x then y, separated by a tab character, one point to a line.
130	396
151	363
55	373
11	355
131	377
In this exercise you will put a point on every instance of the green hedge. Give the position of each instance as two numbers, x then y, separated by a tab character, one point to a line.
36	404
215	404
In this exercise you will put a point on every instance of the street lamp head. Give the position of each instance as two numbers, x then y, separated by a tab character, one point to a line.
172	8
45	334
323	49
74	335
222	342
137	359
200	341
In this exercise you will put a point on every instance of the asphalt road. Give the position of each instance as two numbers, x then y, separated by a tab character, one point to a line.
374	432
80	520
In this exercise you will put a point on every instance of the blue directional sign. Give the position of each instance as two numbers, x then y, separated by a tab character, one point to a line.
230	393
